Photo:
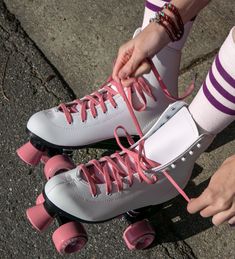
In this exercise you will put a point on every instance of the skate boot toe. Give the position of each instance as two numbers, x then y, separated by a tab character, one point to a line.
40	124
59	179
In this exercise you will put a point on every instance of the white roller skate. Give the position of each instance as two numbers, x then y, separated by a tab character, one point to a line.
150	172
90	121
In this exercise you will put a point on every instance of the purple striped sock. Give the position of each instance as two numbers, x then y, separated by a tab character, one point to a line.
214	106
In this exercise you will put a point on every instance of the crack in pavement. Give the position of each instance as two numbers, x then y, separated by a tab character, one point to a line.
18	29
199	60
2	91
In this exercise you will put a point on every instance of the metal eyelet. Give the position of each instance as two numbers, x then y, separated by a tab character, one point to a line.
183	159
190	152
173	166
198	145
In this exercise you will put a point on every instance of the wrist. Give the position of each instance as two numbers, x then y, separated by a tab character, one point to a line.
160	33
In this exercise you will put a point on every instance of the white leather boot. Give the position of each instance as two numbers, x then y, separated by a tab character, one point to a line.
152	171
92	119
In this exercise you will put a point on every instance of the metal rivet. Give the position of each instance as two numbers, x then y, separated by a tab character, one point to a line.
190	152
183	159
198	145
173	166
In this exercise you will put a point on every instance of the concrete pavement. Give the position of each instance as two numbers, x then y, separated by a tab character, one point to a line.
81	38
28	83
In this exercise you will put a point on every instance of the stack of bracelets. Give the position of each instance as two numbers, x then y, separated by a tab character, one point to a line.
174	31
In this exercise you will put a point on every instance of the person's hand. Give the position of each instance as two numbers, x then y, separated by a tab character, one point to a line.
131	59
218	199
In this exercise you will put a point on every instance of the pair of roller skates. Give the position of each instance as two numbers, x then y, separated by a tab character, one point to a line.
153	170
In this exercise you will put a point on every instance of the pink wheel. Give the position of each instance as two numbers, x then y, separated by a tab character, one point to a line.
38	217
40	199
57	164
70	238
139	235
29	154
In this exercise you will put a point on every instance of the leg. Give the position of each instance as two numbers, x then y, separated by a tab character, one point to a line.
168	59
217	94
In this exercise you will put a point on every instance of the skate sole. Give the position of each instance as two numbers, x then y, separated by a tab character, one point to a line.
42	144
54	211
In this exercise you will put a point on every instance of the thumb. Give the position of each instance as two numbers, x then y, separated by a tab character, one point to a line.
143	68
131	65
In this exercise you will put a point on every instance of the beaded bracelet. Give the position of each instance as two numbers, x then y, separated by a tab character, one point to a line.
175	32
175	11
158	19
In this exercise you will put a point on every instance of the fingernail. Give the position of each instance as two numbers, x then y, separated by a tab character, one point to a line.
232	225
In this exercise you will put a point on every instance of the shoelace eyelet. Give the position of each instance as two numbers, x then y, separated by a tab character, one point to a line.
190	152
198	145
183	159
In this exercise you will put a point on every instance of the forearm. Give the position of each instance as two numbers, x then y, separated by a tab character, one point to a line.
132	55
189	8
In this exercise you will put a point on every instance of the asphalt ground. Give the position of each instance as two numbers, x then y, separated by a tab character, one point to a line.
29	83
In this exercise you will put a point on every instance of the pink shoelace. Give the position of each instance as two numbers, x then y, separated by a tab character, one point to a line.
114	168
140	86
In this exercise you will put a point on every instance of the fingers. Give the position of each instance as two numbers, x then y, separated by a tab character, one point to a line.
128	81
223	216
131	65
210	206
232	221
144	68
199	203
124	55
216	207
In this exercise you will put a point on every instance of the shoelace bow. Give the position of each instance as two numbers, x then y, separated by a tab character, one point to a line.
140	85
116	167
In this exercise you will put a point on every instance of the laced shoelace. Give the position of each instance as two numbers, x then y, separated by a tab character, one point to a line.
98	98
107	92
118	166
